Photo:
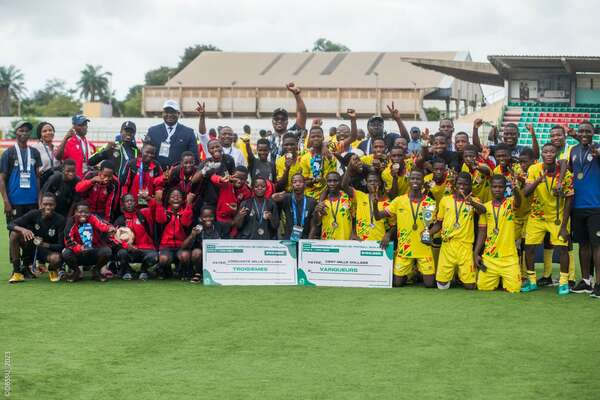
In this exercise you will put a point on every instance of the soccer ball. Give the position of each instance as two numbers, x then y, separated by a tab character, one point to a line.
125	235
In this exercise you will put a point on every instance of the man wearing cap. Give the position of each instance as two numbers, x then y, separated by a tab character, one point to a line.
280	122
171	138
414	146
375	129
19	174
120	151
75	145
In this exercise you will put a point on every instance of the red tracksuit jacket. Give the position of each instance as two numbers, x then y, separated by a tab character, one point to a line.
73	240
102	199
143	238
175	224
151	180
229	195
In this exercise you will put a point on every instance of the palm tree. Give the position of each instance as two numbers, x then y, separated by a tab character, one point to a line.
12	77
93	83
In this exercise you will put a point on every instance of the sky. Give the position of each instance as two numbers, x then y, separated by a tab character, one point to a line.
55	39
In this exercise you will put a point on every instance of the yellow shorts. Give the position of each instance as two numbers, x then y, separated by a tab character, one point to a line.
537	229
404	266
506	268
453	255
520	228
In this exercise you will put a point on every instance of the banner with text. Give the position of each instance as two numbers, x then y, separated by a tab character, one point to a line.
249	262
347	263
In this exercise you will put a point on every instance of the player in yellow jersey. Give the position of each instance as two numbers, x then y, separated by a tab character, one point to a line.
455	218
395	174
288	164
496	237
550	210
378	158
408	211
480	173
367	227
335	211
316	163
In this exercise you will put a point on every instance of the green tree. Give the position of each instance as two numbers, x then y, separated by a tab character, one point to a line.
159	76
61	105
132	105
190	53
12	77
93	84
323	44
433	114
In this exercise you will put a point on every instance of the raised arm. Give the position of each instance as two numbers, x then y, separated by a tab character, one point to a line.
201	110
395	114
534	142
300	106
475	138
60	150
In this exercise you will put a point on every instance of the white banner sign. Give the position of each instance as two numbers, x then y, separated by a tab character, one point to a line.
249	262
344	263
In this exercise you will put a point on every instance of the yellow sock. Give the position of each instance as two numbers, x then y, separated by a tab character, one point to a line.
571	266
564	278
548	262
532	277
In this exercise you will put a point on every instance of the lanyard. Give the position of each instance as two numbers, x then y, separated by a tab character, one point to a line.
49	154
86	153
259	212
549	189
23	167
583	159
185	186
457	210
141	173
415	214
372	212
170	133
496	215
295	218
337	208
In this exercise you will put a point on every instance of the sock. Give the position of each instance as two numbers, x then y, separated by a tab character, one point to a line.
532	277
17	268
440	286
571	266
548	262
587	281
564	278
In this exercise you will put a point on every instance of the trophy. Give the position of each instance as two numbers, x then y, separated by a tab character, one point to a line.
427	215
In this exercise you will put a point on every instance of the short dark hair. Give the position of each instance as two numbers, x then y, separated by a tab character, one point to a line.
209	208
70	162
464	175
242	169
440	135
548	144
512	125
186	153
528	151
81	203
438	160
502	147
498	177
289	135
562	128
263	141
461	133
107	165
49	194
471	147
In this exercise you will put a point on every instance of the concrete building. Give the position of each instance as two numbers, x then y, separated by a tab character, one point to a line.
253	84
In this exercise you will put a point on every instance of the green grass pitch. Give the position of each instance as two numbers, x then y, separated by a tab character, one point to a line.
174	340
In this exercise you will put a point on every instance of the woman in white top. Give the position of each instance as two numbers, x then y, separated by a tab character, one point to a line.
45	133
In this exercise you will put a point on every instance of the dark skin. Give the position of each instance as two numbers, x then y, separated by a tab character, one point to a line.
588	255
259	188
333	192
79	130
398	169
395	114
290	148
550	167
470	159
298	192
315	139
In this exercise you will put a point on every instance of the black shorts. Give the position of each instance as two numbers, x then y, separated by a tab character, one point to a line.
85	257
585	225
41	256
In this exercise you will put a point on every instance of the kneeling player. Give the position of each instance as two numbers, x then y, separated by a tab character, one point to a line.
86	245
37	237
497	229
408	210
456	216
142	249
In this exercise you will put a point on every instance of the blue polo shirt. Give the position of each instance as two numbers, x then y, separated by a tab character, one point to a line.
587	190
9	166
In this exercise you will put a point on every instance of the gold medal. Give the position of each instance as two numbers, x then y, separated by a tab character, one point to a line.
414	227
334	225
557	221
580	175
456	225
496	231
261	231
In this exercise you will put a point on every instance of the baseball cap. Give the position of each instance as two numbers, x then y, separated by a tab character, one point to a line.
415	129
23	123
280	111
79	119
171	104
374	118
130	125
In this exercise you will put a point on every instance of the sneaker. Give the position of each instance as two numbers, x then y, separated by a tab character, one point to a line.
545	281
127	277
582	287
596	293
53	276
143	276
563	289
16	277
571	284
528	287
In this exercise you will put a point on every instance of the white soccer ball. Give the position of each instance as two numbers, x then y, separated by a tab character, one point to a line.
125	234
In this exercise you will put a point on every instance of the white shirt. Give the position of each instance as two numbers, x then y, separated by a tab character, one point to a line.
46	154
173	129
237	155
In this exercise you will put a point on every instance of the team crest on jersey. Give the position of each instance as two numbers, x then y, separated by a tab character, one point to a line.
51	232
37	227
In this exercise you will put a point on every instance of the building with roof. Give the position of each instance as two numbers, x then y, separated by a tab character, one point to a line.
253	84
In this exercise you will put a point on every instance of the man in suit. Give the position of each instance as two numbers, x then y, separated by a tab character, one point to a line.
170	138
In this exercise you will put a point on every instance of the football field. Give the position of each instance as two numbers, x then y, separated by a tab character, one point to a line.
175	340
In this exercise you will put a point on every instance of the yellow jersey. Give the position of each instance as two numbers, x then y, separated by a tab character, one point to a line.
438	191
500	222
336	224
386	176
367	227
312	168
295	168
457	219
481	184
543	201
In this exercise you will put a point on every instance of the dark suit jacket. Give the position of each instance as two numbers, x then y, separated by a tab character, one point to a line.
182	140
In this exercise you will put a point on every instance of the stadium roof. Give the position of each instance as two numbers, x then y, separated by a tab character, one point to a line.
314	70
469	71
566	64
